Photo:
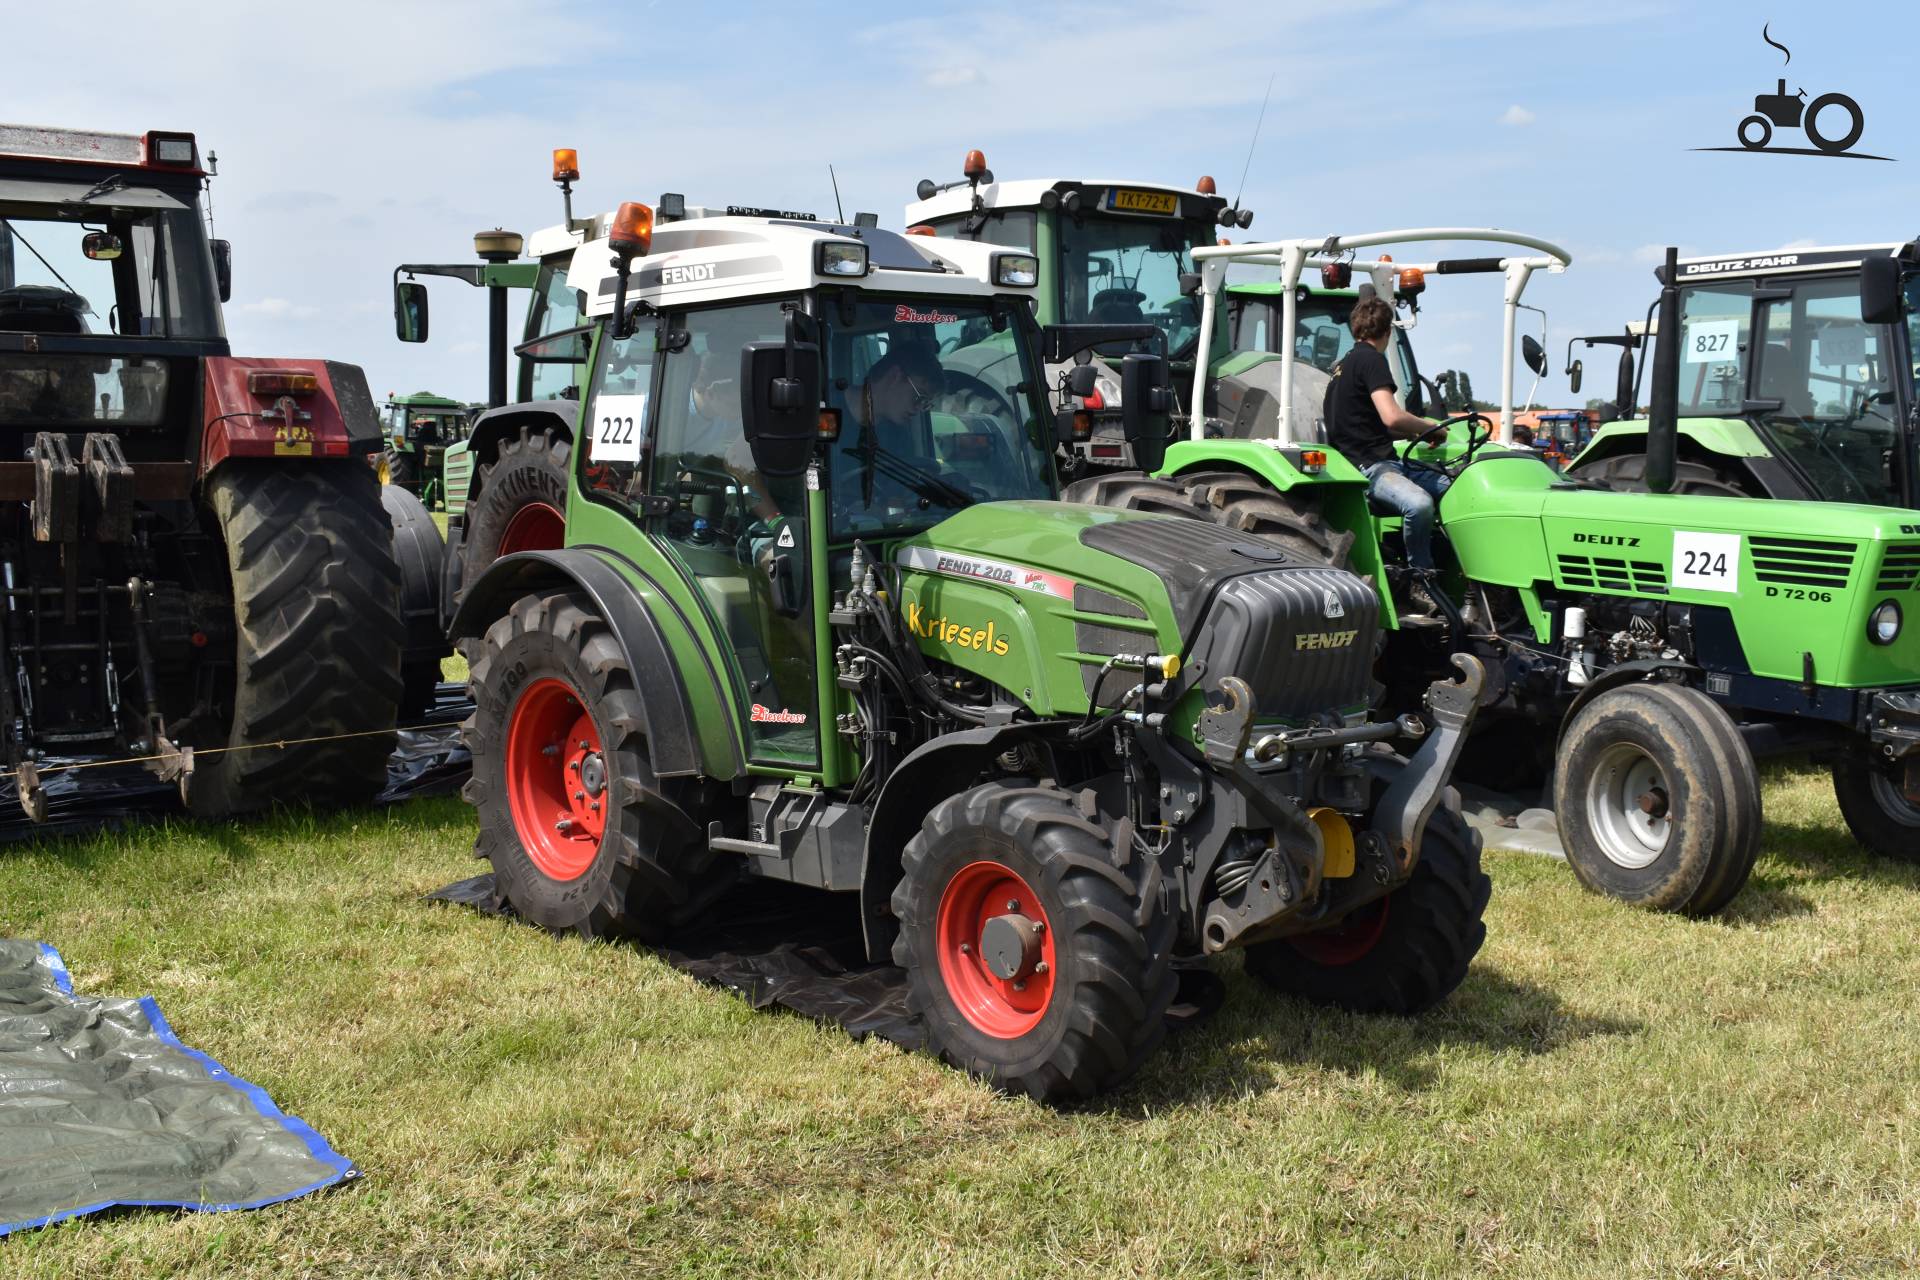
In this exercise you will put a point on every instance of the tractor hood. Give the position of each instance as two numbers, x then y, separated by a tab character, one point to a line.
1036	596
1796	582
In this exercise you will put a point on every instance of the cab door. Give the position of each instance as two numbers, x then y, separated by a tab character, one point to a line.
738	536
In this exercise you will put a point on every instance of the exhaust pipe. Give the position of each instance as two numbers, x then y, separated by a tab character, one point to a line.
1663	398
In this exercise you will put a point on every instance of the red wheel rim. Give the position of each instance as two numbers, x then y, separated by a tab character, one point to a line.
1005	1007
534	527
556	779
1348	941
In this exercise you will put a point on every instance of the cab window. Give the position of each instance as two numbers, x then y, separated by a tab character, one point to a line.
551	370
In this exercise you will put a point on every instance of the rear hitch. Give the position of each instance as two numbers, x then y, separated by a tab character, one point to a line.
1401	816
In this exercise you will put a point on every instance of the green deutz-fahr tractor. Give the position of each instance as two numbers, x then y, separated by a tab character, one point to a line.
810	626
1642	647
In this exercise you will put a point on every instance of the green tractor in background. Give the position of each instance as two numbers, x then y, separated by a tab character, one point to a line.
1787	390
817	622
505	483
420	428
1641	648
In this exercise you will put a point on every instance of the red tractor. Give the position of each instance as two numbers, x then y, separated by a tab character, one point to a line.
196	566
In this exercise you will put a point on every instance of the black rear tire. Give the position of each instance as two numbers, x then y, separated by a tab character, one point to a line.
1877	811
1230	498
403	470
1627	472
1672	748
1111	978
421	555
649	860
318	637
1403	954
521	502
1135	491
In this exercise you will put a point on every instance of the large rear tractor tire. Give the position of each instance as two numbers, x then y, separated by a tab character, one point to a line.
1136	491
401	470
1244	502
318	637
1404	953
421	555
1627	472
1658	798
582	837
1876	808
1037	964
521	504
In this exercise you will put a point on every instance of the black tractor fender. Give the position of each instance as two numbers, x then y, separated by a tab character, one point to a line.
495	425
663	682
927	776
1624	673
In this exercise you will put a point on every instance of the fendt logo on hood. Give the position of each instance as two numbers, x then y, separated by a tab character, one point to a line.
1324	639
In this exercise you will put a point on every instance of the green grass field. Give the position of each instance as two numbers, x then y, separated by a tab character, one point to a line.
1610	1094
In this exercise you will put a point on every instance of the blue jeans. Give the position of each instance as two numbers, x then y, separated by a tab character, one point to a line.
1412	493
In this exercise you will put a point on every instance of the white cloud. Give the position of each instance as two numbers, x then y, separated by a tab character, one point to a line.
1516	115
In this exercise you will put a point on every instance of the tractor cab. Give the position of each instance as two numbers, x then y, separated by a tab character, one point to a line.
1110	253
1797	379
1321	335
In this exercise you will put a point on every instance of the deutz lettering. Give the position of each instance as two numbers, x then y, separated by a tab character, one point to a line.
1324	639
1607	539
987	639
1742	264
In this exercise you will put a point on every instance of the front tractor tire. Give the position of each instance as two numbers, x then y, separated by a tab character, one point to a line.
1875	805
1658	798
581	836
318	638
1036	963
1401	954
521	504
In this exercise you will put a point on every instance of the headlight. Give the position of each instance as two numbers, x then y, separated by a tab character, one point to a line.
1884	626
1016	270
840	258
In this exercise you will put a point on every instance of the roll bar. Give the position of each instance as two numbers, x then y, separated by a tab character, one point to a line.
1294	256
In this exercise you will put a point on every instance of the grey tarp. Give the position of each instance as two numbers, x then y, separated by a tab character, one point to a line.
101	1105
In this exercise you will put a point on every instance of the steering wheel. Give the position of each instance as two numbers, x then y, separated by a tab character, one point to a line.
1474	441
722	484
955	383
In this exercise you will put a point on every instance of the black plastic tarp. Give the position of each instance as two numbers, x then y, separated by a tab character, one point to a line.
102	1106
428	760
801	950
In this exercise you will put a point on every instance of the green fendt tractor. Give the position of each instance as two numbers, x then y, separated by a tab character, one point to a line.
420	428
1643	647
811	626
1788	387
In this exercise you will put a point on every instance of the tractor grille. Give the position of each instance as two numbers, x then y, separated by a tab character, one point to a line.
1092	637
1604	573
1901	567
1802	562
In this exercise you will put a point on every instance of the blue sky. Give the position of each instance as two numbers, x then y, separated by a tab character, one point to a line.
355	136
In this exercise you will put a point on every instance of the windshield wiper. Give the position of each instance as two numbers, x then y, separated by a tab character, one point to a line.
112	182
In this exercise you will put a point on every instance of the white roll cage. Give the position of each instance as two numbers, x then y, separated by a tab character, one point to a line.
1294	256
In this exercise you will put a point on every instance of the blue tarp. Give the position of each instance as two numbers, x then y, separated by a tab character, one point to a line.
102	1106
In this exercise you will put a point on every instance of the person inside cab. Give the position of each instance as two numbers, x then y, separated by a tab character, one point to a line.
886	461
1363	421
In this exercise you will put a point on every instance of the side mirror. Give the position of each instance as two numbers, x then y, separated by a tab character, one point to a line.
410	311
1623	388
1534	354
223	275
1146	405
780	404
1189	284
1880	301
1574	374
1081	379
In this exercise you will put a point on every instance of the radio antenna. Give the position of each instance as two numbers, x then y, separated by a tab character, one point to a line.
840	211
1261	119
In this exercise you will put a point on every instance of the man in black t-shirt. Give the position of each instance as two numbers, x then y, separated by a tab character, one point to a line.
1363	419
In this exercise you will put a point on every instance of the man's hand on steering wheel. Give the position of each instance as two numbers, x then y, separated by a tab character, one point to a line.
1437	434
